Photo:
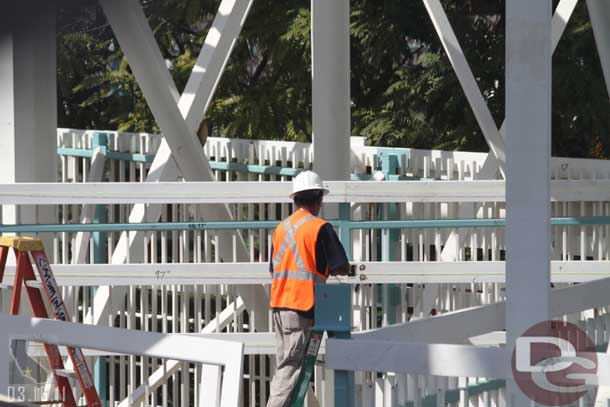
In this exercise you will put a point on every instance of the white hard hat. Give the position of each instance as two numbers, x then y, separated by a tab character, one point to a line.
306	181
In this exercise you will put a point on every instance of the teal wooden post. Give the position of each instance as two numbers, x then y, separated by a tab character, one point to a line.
100	248
390	165
344	380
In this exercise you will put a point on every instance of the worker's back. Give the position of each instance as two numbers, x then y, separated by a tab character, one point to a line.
295	268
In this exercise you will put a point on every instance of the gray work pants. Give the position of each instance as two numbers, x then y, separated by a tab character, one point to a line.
292	333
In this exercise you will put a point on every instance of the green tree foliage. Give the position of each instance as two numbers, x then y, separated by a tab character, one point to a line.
404	91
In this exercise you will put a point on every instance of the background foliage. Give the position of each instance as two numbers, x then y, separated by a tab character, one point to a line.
404	92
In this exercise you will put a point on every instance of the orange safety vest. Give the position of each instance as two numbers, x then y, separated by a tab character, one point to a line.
294	262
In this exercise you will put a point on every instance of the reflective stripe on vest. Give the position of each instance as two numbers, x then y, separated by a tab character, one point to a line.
290	240
298	275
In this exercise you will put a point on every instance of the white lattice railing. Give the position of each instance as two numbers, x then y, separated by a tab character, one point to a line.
191	305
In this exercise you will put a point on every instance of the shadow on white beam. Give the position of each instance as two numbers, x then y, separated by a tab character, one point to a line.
277	192
258	273
436	359
417	358
458	326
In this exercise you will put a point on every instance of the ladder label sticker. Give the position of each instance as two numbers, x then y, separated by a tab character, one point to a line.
314	345
52	288
83	370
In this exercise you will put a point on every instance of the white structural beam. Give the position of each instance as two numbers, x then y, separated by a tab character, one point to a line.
254	344
393	272
457	326
433	360
137	42
417	358
599	13
226	354
467	80
331	88
276	192
28	101
178	118
528	153
490	167
159	376
528	127
561	17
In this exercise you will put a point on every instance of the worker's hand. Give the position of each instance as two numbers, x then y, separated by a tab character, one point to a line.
343	270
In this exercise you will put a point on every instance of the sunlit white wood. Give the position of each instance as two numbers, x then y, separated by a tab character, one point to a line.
528	154
258	273
168	368
210	390
254	192
227	354
467	80
417	358
456	326
561	17
137	42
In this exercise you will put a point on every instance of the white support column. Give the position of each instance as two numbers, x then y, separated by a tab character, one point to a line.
528	142
331	88
599	12
28	101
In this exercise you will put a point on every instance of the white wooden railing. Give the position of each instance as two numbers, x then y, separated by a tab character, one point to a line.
406	278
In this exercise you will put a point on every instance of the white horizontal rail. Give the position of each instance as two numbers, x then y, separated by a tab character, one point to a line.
257	192
418	358
254	344
258	273
434	359
227	354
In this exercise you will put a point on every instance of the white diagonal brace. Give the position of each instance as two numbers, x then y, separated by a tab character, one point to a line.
458	326
137	42
183	122
150	70
467	80
562	16
599	12
96	173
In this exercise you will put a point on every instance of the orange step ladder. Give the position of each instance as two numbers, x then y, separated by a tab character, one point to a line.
24	247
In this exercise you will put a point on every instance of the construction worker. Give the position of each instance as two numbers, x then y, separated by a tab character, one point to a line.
304	252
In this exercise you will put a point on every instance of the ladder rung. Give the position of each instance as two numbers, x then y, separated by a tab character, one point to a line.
65	373
34	284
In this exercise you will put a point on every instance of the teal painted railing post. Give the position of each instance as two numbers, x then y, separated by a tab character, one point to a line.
100	369
344	380
390	166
